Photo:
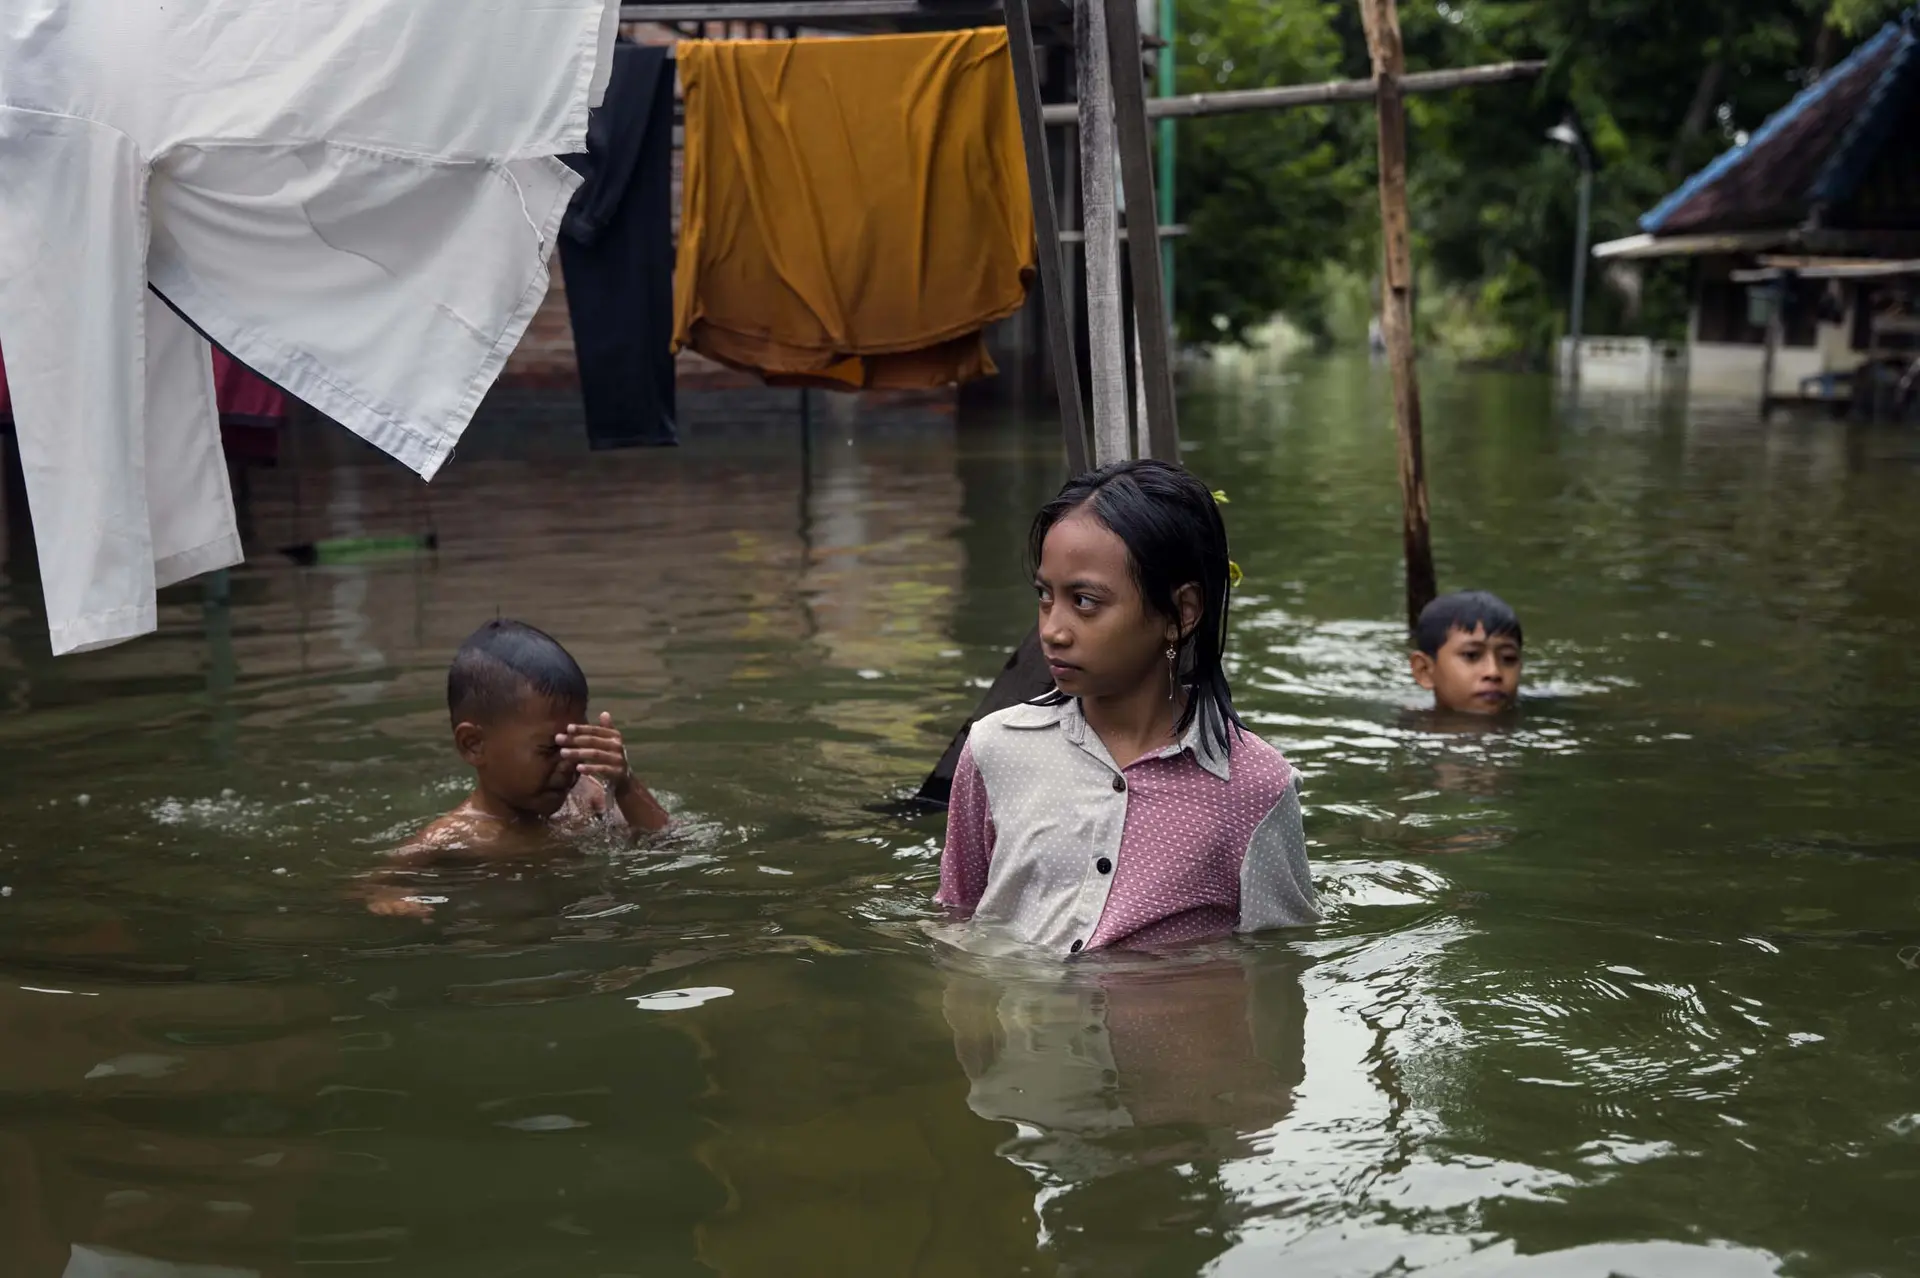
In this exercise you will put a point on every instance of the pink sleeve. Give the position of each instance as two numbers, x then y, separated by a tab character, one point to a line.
969	850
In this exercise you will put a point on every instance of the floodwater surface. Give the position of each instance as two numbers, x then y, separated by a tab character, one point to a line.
1628	986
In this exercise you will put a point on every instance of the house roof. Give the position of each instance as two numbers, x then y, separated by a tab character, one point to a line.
1831	158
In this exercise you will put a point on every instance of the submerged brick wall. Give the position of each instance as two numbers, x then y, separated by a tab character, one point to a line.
545	354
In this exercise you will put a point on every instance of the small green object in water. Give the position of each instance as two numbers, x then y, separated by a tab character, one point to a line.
340	550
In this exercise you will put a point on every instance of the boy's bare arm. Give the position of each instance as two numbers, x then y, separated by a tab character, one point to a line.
642	811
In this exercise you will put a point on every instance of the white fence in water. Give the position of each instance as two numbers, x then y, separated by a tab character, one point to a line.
1628	363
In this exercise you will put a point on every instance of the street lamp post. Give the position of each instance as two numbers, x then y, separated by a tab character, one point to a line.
1566	134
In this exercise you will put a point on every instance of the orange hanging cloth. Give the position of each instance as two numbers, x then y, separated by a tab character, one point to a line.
854	211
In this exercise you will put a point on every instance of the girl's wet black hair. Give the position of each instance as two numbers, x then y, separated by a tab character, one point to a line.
500	663
1174	537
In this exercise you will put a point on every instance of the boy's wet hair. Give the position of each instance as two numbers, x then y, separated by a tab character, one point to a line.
500	663
1175	537
1465	610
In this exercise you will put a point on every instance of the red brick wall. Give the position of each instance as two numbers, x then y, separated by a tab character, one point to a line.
545	354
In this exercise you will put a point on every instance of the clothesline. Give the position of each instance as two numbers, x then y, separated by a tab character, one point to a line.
1233	101
1237	101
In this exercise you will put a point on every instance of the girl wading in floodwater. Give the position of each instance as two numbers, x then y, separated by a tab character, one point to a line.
1129	807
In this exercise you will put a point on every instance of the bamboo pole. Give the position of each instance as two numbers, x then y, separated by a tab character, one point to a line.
1775	330
1242	101
1142	437
1026	675
1073	235
1053	295
1235	101
1167	87
1166	233
1151	330
1396	296
1106	340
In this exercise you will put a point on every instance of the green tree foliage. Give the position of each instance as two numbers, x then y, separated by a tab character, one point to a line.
1858	17
1274	191
1660	87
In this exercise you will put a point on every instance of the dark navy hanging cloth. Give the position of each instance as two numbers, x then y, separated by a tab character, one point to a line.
616	251
1025	677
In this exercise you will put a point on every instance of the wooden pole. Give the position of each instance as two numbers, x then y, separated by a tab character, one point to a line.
1775	327
1166	69
1046	225
1106	341
1151	330
1073	236
1396	296
1235	101
1577	309
1142	437
1026	675
1166	233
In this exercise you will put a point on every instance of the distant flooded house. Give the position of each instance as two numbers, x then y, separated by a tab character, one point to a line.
1806	238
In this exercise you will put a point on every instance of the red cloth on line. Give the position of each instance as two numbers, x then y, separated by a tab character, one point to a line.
252	410
244	394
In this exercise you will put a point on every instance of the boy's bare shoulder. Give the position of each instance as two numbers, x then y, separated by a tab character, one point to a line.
460	834
466	835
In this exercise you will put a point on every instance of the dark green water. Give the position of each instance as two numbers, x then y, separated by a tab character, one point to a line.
1630	987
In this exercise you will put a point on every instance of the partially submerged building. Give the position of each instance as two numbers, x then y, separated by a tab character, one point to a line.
1806	238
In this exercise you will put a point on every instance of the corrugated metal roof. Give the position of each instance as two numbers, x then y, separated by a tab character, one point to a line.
1874	126
1827	136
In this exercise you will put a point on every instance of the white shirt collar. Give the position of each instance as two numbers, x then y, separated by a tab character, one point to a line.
1067	715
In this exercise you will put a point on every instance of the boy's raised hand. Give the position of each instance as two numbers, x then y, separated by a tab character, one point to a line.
600	753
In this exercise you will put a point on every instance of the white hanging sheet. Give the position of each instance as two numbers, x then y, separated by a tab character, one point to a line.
357	198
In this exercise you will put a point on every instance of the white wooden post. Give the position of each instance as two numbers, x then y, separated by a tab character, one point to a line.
1106	339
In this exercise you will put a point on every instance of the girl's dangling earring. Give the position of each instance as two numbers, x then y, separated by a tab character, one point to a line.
1173	672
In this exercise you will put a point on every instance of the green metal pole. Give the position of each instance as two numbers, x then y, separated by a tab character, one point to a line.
1168	87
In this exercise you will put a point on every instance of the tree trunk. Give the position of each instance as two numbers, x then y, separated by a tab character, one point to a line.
1706	94
1822	50
1699	111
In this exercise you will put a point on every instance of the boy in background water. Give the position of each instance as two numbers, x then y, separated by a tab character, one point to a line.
1467	653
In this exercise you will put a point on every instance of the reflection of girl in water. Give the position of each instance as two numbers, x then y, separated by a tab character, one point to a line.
1209	1049
1128	807
1128	1085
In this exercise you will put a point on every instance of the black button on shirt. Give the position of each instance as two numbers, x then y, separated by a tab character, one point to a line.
1103	865
1119	783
